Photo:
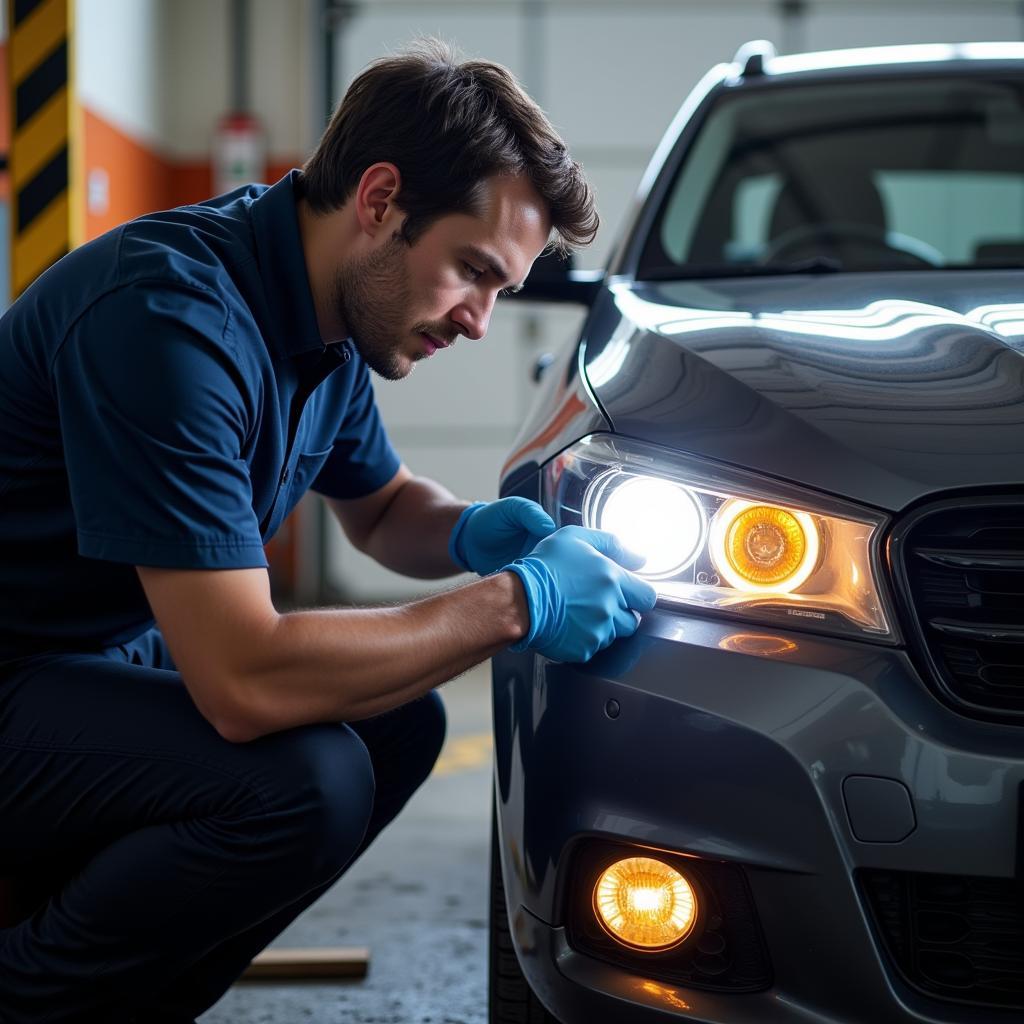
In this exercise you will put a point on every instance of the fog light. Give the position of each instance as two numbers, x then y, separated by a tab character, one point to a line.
645	904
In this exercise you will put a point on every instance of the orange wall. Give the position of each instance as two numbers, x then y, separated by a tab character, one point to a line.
140	179
193	180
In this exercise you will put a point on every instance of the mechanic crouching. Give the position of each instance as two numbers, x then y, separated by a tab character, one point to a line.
201	766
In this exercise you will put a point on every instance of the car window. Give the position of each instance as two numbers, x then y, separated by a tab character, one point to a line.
982	211
869	175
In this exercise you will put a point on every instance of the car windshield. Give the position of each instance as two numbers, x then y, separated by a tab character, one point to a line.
865	175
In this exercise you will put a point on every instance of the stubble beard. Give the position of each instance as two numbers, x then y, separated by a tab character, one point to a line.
372	297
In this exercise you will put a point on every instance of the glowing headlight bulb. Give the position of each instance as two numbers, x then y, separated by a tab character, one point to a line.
655	518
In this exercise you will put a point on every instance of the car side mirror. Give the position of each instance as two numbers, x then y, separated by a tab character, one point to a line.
554	279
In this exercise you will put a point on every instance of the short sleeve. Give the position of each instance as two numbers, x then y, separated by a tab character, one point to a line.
153	415
362	459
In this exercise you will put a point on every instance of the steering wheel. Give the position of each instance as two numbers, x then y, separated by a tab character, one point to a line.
806	240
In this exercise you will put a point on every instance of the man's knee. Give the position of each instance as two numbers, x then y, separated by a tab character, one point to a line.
428	735
322	794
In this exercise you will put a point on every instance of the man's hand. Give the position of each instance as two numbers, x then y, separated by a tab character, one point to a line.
488	536
579	593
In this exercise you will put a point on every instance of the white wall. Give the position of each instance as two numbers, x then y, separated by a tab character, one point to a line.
121	64
842	23
160	70
280	73
199	83
282	78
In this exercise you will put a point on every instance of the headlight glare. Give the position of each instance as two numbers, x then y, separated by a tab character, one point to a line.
656	518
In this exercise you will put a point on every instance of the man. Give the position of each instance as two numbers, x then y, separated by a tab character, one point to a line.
167	394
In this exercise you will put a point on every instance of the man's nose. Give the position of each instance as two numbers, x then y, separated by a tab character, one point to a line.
474	316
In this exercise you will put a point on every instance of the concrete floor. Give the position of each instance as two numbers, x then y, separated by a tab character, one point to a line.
417	898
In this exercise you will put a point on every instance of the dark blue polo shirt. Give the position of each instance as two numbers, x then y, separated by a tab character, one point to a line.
165	400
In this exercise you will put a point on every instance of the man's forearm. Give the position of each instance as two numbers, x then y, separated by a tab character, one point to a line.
412	535
336	665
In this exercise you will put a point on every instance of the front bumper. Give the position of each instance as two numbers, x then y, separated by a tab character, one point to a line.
733	744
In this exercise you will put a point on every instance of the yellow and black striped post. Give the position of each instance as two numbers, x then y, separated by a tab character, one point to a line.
39	63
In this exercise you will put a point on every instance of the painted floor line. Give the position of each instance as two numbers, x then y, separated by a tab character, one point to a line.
465	753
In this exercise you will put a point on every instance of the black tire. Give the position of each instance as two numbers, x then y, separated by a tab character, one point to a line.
509	998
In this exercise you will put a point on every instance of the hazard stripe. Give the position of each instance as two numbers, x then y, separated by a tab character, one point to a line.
41	245
40	153
41	139
42	82
23	8
39	34
42	189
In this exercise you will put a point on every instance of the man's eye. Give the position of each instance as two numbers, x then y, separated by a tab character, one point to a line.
472	272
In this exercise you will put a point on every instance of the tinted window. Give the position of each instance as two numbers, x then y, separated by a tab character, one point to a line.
868	175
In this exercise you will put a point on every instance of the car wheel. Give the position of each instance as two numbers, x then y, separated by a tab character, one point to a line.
510	1000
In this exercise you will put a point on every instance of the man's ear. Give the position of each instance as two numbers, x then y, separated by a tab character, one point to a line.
375	206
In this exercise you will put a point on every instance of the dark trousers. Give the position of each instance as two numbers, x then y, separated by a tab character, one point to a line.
181	855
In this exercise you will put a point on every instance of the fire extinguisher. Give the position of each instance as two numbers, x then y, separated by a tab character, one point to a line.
239	152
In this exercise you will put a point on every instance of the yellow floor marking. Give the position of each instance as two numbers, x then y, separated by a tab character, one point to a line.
464	753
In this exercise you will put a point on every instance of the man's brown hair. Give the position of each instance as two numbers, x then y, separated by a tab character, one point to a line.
447	126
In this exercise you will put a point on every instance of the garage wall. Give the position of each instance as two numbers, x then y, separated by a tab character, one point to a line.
126	168
611	76
153	78
829	24
281	78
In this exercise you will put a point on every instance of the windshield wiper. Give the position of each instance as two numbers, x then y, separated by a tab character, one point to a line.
814	265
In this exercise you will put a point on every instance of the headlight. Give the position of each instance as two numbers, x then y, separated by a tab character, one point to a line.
726	540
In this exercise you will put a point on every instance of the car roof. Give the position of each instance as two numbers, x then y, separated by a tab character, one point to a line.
757	60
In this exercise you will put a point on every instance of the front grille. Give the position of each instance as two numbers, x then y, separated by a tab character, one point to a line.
962	570
952	936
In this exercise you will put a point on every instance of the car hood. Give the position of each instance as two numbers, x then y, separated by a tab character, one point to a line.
882	388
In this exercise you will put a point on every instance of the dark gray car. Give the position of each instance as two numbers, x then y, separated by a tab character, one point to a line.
795	794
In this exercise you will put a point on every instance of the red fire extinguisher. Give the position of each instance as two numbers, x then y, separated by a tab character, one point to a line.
239	152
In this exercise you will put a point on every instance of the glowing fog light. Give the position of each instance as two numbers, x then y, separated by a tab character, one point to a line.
655	518
645	903
761	547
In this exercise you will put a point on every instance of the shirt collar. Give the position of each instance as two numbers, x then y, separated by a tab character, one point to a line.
283	269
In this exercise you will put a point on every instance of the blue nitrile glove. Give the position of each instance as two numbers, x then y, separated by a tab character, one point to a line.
489	535
580	595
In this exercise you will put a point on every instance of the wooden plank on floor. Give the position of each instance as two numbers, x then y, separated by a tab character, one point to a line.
302	964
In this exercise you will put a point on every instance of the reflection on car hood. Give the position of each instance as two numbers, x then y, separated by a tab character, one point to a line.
882	388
